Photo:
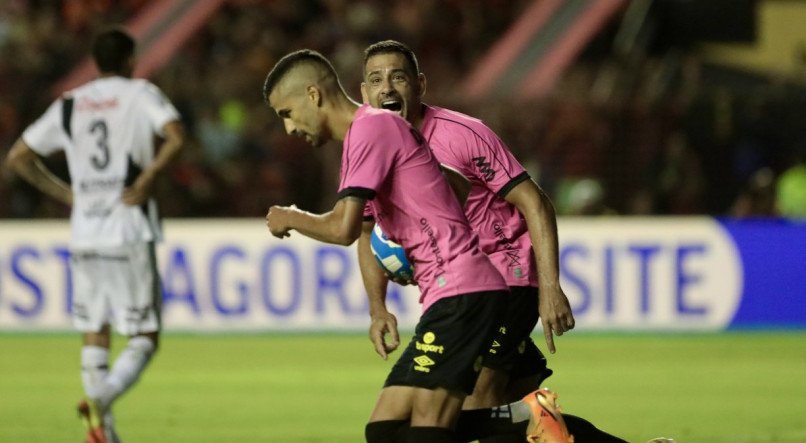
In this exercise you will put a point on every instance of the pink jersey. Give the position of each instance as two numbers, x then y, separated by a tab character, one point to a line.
387	162
469	146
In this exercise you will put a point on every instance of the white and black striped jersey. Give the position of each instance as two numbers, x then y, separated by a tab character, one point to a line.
107	129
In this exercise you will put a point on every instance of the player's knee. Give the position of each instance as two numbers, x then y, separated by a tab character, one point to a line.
143	345
385	431
154	337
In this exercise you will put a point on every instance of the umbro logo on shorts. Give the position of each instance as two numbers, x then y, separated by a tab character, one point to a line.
422	363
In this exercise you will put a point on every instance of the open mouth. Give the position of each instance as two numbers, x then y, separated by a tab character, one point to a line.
392	105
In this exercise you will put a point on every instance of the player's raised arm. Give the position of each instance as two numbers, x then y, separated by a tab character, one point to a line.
538	211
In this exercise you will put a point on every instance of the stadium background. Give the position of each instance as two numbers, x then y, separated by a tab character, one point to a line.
686	116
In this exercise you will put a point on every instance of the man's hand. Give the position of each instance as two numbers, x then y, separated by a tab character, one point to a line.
555	313
399	280
139	191
382	324
277	220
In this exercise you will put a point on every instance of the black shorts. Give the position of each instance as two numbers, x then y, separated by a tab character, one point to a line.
513	349
448	343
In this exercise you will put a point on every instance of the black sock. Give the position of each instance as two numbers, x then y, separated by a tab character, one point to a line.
430	435
476	424
585	432
387	431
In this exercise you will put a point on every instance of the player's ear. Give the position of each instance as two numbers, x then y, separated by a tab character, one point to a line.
422	83
314	95
364	95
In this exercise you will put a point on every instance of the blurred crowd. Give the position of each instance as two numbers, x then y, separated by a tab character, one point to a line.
655	133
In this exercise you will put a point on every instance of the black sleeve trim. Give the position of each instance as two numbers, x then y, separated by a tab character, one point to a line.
523	176
67	115
362	193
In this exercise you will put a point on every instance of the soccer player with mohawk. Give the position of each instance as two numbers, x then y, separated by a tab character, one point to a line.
388	167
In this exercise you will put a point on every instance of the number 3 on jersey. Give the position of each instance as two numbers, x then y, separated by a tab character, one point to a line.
99	129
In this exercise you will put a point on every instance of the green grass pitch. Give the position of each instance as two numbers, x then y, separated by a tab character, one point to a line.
739	387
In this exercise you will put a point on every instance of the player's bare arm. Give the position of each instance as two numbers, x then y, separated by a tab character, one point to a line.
538	211
382	322
340	226
140	190
28	165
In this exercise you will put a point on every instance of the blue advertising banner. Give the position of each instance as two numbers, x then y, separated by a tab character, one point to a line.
773	255
633	274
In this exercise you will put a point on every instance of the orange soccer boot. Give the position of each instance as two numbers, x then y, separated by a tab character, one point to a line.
546	424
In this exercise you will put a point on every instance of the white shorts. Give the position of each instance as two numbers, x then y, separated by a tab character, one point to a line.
118	285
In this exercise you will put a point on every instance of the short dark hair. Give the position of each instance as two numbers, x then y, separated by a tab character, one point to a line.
112	50
392	47
291	60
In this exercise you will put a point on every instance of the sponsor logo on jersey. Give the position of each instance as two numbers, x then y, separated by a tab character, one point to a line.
87	104
100	184
512	254
432	243
97	211
484	168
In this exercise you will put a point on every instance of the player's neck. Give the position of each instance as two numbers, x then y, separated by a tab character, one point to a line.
343	114
419	117
113	74
418	122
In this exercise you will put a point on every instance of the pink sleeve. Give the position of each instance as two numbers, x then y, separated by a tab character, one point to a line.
497	166
484	155
368	157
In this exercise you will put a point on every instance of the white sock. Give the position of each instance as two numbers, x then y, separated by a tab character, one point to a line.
94	368
127	369
520	411
109	427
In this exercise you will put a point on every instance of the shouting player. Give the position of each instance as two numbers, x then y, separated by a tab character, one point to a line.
514	219
388	168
